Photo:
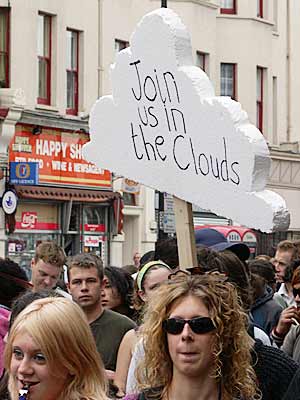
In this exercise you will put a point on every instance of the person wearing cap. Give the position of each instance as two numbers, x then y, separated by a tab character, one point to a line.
148	279
209	237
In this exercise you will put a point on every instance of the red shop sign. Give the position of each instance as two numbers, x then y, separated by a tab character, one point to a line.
29	221
59	154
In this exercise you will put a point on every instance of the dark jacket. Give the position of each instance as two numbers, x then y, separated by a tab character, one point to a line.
265	311
293	392
274	370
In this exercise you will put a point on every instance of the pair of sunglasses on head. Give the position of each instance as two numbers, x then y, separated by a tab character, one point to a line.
198	325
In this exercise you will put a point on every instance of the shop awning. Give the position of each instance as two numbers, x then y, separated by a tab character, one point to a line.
66	194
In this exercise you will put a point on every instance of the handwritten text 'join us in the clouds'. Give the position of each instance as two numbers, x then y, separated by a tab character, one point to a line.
159	91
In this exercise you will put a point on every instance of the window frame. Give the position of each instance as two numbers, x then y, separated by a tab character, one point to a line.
233	97
6	53
260	103
74	111
47	100
260	9
231	10
121	42
204	55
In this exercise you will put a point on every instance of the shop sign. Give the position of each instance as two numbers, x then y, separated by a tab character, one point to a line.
59	157
29	220
234	237
249	237
130	186
168	203
169	222
94	227
16	246
31	223
92	241
9	202
24	173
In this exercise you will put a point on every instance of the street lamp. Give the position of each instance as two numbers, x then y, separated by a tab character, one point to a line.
164	3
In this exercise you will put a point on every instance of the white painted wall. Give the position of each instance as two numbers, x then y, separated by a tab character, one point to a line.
242	39
66	14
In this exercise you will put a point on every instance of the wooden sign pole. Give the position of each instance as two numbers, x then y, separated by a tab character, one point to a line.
185	233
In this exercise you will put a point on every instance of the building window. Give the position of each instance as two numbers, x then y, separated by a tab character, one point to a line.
44	59
72	71
120	45
4	47
228	6
228	80
260	8
201	60
259	98
129	199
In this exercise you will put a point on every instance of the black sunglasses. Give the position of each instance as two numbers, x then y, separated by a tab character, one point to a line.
198	325
296	292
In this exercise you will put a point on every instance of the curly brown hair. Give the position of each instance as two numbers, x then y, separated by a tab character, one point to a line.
232	348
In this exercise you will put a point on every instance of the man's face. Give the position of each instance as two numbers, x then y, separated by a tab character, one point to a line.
85	286
281	260
136	259
44	275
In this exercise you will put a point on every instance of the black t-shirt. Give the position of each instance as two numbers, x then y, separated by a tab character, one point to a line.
108	331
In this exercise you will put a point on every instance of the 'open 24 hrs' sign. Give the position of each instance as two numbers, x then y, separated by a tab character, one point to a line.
163	126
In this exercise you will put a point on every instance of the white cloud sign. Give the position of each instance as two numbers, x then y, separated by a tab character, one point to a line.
164	127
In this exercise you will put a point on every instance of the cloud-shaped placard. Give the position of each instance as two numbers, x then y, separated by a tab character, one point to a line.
164	127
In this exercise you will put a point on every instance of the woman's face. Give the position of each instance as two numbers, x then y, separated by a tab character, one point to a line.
152	280
191	353
110	297
29	366
296	290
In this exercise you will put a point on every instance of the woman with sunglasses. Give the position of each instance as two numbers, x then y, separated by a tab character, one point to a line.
196	343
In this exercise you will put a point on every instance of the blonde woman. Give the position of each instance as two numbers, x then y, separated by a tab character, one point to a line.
51	354
196	343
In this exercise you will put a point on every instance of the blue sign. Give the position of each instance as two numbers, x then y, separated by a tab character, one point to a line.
24	173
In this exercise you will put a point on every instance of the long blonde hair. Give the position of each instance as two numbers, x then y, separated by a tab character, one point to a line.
61	330
232	345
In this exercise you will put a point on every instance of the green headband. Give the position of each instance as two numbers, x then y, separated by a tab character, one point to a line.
142	272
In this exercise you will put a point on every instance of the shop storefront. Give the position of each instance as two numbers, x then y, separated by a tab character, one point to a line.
73	201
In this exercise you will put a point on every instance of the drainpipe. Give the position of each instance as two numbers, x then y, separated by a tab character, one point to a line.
288	78
14	101
100	46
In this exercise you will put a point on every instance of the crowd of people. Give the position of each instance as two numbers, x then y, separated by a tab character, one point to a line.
226	329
